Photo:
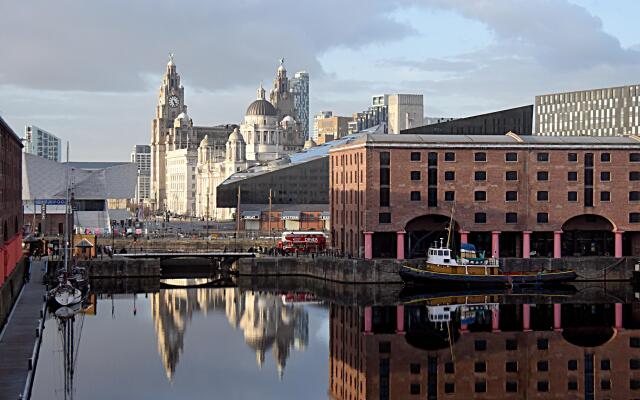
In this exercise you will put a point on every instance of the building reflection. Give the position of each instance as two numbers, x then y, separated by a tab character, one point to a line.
484	349
266	321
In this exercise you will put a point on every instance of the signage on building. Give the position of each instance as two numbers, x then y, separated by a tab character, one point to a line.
43	210
50	202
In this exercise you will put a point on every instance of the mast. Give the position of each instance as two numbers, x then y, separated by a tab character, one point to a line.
66	214
450	227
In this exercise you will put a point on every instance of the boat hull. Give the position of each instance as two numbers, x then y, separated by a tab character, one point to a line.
417	276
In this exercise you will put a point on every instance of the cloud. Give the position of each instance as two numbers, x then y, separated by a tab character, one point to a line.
111	46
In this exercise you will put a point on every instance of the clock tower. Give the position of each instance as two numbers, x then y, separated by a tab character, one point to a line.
170	105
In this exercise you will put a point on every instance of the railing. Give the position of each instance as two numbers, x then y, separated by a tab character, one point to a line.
33	361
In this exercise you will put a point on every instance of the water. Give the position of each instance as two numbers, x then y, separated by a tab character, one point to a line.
204	343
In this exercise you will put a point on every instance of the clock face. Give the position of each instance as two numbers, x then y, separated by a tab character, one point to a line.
174	101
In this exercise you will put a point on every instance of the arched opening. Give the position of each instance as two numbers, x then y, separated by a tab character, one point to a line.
588	235
423	231
588	325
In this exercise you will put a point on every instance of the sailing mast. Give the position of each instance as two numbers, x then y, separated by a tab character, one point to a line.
450	227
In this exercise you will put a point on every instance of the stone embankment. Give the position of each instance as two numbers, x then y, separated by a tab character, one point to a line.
119	267
386	270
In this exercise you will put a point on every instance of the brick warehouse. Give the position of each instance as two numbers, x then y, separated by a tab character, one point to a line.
10	201
513	196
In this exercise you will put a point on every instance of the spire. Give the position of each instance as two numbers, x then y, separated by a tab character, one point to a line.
260	92
170	63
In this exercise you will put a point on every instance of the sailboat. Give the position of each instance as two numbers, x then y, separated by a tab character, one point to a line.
67	293
67	318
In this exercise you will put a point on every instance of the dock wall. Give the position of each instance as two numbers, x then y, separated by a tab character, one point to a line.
10	290
121	267
386	270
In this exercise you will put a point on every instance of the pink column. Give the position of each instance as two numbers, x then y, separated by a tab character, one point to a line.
368	316
400	250
557	240
495	320
618	235
526	317
464	236
526	244
368	245
618	315
495	244
557	317
400	318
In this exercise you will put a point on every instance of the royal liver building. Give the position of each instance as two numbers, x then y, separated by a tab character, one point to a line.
188	161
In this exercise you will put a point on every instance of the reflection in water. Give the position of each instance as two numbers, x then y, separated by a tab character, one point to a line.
264	319
484	348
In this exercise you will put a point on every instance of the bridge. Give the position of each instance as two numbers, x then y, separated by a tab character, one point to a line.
166	255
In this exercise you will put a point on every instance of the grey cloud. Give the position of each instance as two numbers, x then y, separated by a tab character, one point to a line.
111	46
452	65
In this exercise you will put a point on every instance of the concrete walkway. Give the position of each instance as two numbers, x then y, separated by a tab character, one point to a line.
19	337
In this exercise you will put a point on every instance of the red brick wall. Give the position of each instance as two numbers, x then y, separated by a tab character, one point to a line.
353	213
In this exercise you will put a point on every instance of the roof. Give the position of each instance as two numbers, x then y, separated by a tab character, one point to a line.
300	157
94	164
261	107
6	127
322	208
507	140
46	179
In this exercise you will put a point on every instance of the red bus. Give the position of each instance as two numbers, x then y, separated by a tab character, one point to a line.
303	242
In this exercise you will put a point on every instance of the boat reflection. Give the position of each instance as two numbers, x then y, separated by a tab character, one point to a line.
265	320
491	345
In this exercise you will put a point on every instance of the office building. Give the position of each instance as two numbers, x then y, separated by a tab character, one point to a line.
518	120
300	90
141	156
41	143
599	112
405	111
514	196
329	127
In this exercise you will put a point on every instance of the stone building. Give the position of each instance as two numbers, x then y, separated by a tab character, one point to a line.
173	129
392	196
267	134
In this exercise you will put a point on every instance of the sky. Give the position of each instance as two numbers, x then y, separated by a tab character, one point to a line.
90	72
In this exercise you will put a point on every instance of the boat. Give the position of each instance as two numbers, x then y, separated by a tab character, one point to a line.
73	282
472	269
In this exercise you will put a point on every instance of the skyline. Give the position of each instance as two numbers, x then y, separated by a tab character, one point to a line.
453	52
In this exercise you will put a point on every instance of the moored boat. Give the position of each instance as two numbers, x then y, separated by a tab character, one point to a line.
471	268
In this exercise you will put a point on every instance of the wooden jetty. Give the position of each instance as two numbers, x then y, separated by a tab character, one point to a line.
20	338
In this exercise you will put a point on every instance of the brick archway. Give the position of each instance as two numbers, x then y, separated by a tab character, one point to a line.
588	235
422	231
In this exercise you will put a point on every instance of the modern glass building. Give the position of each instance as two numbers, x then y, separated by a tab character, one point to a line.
41	143
300	89
141	156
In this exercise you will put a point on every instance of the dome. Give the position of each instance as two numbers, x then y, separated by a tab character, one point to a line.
261	107
288	120
309	144
235	136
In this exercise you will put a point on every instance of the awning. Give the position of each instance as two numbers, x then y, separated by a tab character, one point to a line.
325	215
290	215
250	215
